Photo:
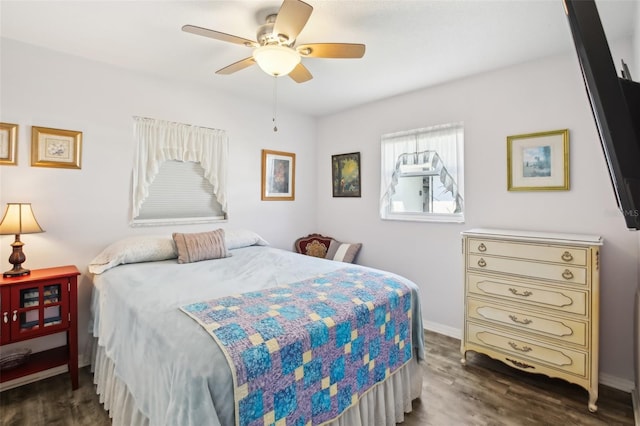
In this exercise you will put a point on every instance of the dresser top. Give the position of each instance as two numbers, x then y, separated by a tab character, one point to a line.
534	236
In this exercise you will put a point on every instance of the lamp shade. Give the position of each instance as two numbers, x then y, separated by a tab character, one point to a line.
275	59
19	219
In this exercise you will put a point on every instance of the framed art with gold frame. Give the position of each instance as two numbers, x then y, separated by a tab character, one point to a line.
8	144
278	175
538	161
56	148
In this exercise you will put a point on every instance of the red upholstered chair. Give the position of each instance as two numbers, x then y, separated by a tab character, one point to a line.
313	245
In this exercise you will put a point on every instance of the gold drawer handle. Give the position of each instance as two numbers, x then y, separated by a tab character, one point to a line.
519	364
518	348
482	247
567	256
525	321
567	274
525	293
482	263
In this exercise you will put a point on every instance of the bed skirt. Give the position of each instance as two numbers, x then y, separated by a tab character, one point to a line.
384	405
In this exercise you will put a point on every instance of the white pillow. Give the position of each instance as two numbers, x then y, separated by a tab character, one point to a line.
144	248
238	238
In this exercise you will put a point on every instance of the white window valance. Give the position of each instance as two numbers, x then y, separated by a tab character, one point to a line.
158	141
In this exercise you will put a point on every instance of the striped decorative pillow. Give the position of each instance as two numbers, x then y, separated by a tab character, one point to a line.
343	252
200	246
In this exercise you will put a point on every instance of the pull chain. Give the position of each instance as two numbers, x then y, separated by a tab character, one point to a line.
275	103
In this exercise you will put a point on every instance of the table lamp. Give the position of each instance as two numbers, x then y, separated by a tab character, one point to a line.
18	219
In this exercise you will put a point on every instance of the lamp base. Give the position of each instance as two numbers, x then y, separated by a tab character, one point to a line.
16	272
17	258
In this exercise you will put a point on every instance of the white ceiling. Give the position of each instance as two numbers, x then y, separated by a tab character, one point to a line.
409	44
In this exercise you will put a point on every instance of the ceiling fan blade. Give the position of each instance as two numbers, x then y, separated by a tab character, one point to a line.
331	50
237	66
300	74
291	19
218	35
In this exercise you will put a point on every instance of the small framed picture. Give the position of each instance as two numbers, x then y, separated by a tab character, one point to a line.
55	148
345	174
8	144
278	175
538	161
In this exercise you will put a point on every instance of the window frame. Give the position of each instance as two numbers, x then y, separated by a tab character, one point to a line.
388	164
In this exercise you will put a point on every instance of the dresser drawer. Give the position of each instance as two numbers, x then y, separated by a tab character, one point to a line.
543	253
561	299
561	273
567	360
563	329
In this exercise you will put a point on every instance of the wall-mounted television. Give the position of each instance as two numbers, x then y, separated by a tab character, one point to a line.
615	102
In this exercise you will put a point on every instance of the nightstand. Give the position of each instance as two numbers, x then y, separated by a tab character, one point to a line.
40	304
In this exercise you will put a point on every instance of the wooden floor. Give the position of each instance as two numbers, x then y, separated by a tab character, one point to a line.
485	392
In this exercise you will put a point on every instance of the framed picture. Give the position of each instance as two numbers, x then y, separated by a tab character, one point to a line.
345	174
8	143
538	161
55	148
278	175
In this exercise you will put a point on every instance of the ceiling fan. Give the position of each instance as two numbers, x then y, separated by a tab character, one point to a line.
275	50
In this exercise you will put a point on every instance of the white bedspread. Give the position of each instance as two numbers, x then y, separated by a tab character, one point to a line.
138	324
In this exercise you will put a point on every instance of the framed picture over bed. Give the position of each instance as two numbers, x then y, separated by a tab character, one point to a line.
56	148
8	143
345	174
278	175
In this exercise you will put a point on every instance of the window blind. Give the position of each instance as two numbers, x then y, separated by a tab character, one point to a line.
180	193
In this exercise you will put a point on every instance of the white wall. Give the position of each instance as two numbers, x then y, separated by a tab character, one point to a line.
84	210
544	95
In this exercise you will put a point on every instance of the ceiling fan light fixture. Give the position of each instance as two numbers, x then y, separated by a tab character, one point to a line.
276	60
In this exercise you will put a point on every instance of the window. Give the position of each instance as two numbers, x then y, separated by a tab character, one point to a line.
422	174
180	193
179	173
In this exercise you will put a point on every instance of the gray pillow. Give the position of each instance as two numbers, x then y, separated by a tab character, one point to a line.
343	252
200	246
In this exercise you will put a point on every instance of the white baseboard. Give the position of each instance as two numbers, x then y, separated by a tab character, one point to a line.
605	379
456	333
616	382
636	405
33	377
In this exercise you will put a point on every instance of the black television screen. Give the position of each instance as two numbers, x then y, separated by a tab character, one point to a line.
615	103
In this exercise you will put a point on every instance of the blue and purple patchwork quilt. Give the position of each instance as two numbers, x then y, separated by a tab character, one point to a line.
301	354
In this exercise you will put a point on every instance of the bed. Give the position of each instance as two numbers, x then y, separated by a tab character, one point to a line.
155	362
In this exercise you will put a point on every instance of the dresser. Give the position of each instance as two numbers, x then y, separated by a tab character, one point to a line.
532	302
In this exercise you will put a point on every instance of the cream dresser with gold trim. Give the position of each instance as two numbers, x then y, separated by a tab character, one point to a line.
532	301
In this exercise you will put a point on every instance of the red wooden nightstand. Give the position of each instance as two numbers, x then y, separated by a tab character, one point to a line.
42	303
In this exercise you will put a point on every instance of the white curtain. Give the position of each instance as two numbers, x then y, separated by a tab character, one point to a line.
158	141
443	140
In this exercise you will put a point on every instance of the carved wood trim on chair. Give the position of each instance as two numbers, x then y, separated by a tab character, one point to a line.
313	245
